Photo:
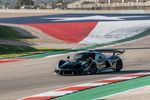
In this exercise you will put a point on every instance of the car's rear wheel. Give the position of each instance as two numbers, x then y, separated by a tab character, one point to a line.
119	65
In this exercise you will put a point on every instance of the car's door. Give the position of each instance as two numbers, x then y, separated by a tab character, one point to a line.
100	60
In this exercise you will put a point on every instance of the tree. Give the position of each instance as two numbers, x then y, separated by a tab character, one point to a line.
25	2
60	1
1	2
7	4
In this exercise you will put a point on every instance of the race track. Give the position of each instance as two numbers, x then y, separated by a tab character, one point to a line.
25	78
34	76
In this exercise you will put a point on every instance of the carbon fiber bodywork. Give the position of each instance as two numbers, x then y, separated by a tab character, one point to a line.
91	62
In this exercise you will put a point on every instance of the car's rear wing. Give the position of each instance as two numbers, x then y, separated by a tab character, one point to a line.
114	51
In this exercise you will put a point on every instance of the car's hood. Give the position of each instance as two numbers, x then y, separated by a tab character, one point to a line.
72	65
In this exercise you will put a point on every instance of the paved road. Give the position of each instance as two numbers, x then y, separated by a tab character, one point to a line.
29	77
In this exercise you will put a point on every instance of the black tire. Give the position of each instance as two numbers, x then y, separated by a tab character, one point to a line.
107	64
119	65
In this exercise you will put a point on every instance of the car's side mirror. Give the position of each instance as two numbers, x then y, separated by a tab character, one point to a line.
68	57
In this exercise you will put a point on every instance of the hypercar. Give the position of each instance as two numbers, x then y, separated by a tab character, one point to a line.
91	62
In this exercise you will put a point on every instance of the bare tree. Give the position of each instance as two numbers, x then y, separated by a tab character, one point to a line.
25	2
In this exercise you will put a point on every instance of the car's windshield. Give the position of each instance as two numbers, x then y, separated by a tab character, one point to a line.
84	56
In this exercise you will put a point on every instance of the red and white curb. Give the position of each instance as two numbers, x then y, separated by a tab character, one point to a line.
75	88
9	60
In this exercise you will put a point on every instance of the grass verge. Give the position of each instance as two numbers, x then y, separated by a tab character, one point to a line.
7	51
7	32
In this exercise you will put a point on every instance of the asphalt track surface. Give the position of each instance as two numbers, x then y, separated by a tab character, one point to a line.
29	77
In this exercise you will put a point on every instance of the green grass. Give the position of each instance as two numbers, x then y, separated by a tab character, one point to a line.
7	51
10	33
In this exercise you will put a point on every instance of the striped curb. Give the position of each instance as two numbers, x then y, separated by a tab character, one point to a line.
76	88
9	60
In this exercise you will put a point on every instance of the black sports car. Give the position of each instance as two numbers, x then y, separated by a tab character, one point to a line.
91	62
